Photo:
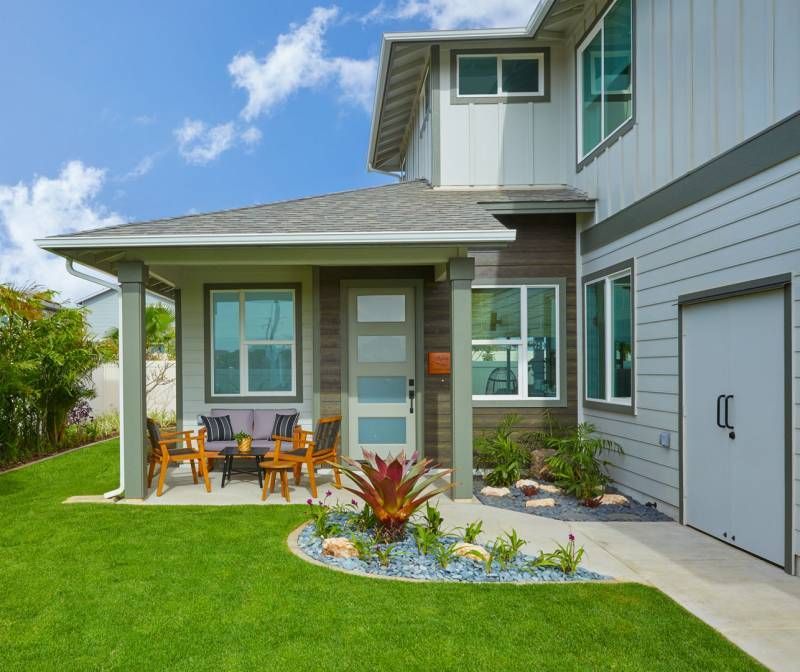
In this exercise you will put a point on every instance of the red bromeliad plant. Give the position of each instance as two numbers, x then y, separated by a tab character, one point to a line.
394	488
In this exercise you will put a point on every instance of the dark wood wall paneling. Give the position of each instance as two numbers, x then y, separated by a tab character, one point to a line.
545	248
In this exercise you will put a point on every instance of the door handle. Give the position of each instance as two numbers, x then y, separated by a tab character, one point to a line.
719	409
411	400
727	425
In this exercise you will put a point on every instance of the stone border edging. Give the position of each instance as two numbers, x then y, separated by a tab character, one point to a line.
294	548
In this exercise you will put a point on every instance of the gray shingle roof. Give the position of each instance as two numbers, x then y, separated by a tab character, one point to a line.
400	207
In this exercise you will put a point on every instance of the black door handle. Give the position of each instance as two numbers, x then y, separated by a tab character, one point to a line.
719	419
727	399
411	399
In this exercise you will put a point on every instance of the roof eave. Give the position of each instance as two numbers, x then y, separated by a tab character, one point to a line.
465	237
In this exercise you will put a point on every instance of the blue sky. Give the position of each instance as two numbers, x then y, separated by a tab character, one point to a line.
122	111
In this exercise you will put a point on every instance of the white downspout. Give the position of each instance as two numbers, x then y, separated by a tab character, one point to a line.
116	492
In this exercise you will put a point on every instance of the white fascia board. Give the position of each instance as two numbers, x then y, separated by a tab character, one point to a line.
539	15
236	239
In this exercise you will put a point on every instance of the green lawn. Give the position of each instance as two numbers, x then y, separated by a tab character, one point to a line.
100	587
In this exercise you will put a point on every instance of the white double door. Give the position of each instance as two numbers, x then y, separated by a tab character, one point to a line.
734	441
381	370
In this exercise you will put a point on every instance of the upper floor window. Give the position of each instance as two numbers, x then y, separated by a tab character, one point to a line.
608	337
516	342
605	77
482	75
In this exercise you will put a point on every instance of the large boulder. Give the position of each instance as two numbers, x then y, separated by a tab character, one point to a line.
471	551
339	547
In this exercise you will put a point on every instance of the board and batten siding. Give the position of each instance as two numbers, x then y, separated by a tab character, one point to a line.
746	232
418	157
490	144
709	74
191	281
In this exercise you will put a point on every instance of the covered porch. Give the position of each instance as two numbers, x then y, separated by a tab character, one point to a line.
323	307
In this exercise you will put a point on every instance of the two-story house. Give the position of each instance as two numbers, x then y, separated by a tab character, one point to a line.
597	213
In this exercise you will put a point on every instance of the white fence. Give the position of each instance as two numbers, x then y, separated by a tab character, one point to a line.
159	383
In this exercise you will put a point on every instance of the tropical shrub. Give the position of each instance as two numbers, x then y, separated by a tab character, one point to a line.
566	557
506	548
504	456
432	519
47	361
426	540
393	488
576	465
472	531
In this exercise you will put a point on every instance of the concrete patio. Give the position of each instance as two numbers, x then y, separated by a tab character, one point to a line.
752	603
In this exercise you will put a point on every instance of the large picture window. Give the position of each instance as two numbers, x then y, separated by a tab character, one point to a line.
609	339
516	342
253	342
605	77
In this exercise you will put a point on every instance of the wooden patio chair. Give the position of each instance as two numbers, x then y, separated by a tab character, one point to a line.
175	447
311	449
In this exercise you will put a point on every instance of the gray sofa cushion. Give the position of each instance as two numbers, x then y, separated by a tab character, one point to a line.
241	419
216	446
264	419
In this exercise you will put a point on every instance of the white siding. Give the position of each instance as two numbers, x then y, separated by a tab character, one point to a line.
709	74
504	143
746	232
193	319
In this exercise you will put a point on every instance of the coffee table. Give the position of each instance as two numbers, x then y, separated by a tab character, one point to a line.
232	453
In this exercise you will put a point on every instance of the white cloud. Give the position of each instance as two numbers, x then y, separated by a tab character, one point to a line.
44	207
141	169
449	14
200	143
298	61
251	136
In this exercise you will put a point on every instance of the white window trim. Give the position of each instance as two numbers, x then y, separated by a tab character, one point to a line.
522	343
599	26
499	58
244	380
608	337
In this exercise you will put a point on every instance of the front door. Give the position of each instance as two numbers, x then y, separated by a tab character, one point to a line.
381	366
734	438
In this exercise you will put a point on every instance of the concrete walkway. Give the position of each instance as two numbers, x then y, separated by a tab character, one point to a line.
752	603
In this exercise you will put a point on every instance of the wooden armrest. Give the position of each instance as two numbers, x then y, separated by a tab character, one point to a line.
171	435
172	442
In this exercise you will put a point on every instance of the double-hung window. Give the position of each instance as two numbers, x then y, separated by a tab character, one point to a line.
605	77
253	342
516	342
504	75
608	337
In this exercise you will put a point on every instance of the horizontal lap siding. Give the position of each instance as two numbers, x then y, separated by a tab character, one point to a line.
749	231
544	248
193	317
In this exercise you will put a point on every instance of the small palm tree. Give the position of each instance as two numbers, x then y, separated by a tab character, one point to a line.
27	302
159	330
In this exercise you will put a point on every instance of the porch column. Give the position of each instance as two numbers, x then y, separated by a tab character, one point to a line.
132	277
460	273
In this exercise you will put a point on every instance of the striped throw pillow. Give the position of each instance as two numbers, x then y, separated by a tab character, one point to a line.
218	428
284	424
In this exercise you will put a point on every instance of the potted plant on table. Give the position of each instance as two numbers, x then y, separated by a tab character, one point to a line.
244	442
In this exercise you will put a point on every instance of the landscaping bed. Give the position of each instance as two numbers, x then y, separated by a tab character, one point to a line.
568	508
407	561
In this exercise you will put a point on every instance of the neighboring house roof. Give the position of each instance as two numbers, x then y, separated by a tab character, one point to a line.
404	213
